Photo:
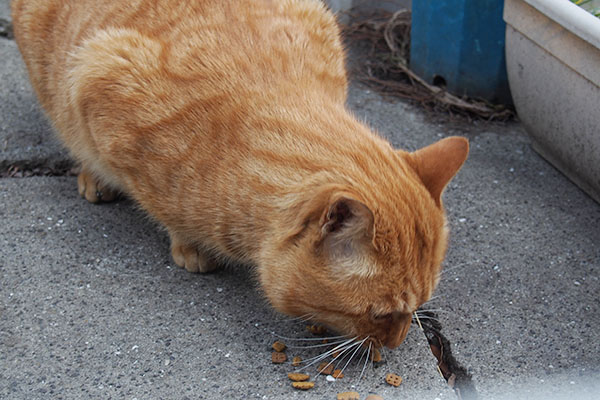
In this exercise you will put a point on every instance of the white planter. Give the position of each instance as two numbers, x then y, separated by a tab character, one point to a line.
553	64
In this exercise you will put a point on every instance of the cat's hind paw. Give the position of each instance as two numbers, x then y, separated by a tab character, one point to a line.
191	258
92	190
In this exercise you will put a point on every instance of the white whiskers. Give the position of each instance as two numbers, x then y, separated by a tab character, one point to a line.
419	317
347	349
446	270
366	362
307	339
358	346
303	318
434	310
434	298
337	353
316	345
322	356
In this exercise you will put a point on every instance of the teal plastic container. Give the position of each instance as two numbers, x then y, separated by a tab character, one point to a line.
460	44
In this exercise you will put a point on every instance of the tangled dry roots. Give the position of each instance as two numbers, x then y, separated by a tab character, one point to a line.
386	37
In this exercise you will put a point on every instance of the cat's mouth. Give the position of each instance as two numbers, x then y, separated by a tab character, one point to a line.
389	331
376	336
396	337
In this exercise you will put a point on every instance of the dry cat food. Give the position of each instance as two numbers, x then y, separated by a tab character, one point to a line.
296	361
297	377
375	355
303	385
316	329
337	374
325	368
373	397
278	358
348	396
279	346
393	379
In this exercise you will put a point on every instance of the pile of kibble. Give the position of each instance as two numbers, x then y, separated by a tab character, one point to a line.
302	381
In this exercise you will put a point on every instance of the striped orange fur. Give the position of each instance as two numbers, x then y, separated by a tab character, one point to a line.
226	122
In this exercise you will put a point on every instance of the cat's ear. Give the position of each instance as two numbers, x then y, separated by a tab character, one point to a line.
437	163
344	222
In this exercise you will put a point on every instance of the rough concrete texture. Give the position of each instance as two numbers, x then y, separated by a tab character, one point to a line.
92	307
519	294
25	138
5	9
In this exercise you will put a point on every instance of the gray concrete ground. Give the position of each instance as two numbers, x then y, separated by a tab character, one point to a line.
21	143
91	305
5	9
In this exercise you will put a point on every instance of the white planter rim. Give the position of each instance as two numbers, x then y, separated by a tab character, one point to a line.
572	17
552	59
569	34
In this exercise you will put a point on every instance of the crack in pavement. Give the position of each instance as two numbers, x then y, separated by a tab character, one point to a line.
455	374
6	29
26	171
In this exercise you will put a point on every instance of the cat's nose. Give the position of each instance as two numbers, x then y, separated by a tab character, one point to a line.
398	329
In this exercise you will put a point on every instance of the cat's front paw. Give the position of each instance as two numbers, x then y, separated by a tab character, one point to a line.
92	190
191	258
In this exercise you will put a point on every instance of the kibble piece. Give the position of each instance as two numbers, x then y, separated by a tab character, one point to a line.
316	329
337	374
279	346
297	377
393	379
374	397
335	354
296	361
325	368
375	355
278	358
348	396
303	385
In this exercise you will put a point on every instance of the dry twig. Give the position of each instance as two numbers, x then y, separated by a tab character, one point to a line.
388	40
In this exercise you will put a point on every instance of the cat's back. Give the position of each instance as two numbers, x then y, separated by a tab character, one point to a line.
249	42
135	87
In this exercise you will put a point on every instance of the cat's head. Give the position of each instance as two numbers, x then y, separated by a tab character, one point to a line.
362	262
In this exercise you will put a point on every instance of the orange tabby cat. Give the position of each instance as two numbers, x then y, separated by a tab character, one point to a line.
225	121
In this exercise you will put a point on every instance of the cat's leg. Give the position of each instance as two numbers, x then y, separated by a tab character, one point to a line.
190	257
94	191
